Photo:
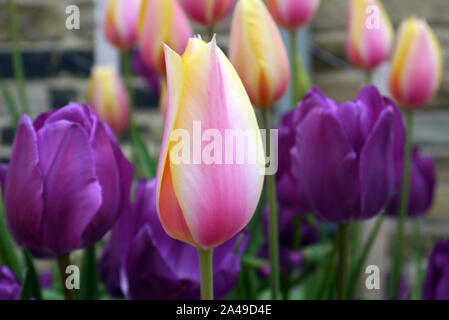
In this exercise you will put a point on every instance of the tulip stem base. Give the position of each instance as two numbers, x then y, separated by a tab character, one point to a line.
63	263
403	209
342	260
273	220
207	280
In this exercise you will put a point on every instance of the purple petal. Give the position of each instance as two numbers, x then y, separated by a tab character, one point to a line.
327	167
3	171
376	171
72	192
24	188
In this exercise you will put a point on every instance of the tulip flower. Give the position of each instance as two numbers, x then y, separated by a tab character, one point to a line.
67	180
161	22
10	286
152	79
108	97
292	14
417	64
436	286
138	242
257	52
422	186
120	22
207	202
207	12
344	156
369	34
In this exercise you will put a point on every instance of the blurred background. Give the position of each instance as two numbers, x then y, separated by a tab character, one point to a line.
58	61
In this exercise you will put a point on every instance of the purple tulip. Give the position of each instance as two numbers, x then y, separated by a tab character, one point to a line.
67	180
10	286
141	261
422	186
346	155
289	257
436	285
290	193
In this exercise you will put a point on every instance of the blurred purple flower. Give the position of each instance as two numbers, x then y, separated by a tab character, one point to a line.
436	285
67	180
45	279
139	68
347	155
10	286
141	261
289	258
422	186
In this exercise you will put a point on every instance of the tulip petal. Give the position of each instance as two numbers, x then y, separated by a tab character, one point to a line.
23	187
216	199
327	166
169	211
376	171
3	171
72	192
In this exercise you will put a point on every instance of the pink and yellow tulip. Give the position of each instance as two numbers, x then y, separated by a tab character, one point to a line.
202	203
292	14
120	22
161	21
257	52
107	96
417	65
369	34
207	12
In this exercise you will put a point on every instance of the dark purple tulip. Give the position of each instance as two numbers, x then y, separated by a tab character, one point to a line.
290	194
151	78
436	285
289	257
67	180
347	154
10	286
141	261
422	186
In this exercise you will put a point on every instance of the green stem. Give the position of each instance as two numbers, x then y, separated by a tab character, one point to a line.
273	221
207	280
210	31
418	252
17	58
128	77
9	101
368	77
403	209
89	276
294	66
7	253
63	263
328	270
356	271
342	260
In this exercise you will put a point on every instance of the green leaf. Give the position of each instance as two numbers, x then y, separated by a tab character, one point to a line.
89	275
31	287
9	102
303	82
147	164
8	255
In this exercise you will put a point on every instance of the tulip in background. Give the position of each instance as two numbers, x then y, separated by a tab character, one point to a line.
120	22
108	97
344	158
422	186
369	34
206	204
436	286
258	54
10	286
417	65
293	14
207	12
415	76
170	267
66	183
161	22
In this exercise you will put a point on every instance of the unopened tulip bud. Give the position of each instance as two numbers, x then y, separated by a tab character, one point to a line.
292	14
207	12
